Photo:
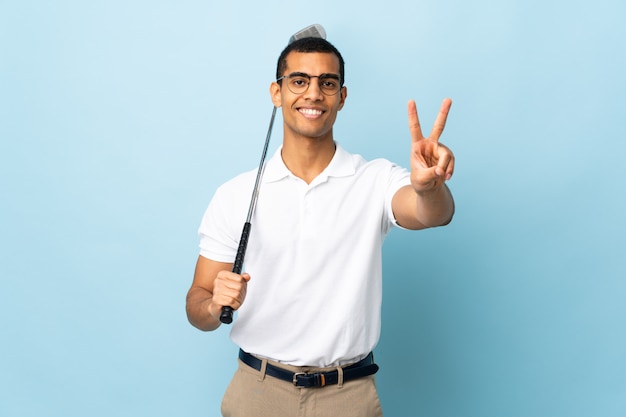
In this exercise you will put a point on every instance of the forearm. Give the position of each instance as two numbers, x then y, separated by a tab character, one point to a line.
435	207
425	209
199	303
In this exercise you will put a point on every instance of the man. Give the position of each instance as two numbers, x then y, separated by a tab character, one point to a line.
309	302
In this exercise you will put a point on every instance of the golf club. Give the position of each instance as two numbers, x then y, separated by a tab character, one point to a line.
226	316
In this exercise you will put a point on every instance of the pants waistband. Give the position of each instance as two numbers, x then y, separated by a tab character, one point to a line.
364	367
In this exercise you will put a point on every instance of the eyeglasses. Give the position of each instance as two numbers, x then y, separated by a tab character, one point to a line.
298	82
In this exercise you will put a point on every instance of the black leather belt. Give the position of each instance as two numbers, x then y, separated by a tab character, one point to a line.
357	370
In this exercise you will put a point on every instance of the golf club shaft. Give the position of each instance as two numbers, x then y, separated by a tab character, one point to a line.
226	315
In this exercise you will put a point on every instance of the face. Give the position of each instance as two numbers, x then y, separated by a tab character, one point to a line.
311	114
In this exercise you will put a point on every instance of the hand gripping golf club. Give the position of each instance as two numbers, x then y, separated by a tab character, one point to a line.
226	316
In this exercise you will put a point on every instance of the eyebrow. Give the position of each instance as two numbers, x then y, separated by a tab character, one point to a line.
304	74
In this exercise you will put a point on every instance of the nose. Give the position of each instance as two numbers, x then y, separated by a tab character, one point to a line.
314	92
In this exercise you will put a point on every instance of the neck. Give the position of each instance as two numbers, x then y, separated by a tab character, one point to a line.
306	158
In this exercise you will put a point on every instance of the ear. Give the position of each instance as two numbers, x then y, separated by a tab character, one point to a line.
275	94
344	95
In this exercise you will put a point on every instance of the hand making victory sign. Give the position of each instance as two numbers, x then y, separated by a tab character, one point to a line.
431	162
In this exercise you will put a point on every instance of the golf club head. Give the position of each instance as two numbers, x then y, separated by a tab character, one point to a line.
313	31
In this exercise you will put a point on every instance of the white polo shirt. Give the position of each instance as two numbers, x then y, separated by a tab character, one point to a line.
314	257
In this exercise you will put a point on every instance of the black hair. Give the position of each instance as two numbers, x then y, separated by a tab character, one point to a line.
308	45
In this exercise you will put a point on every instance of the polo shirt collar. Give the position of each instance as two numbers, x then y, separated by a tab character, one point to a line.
342	165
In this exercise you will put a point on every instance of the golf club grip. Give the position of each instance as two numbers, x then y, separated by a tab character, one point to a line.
226	316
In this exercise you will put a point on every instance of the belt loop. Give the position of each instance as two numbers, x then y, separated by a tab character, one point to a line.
339	377
262	370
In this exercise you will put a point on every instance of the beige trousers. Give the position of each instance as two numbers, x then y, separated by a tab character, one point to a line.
253	394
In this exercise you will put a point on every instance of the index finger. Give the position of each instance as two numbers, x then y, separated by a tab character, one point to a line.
414	121
440	122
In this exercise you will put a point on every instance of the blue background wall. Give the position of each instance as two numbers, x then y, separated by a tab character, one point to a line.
118	119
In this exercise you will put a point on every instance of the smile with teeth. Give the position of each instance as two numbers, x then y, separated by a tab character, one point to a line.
310	112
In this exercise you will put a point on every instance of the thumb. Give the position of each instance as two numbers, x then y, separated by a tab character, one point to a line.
245	276
424	179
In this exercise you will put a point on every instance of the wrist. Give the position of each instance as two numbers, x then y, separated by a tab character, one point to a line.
214	311
431	191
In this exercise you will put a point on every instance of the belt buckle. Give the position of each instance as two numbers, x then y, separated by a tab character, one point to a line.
295	378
